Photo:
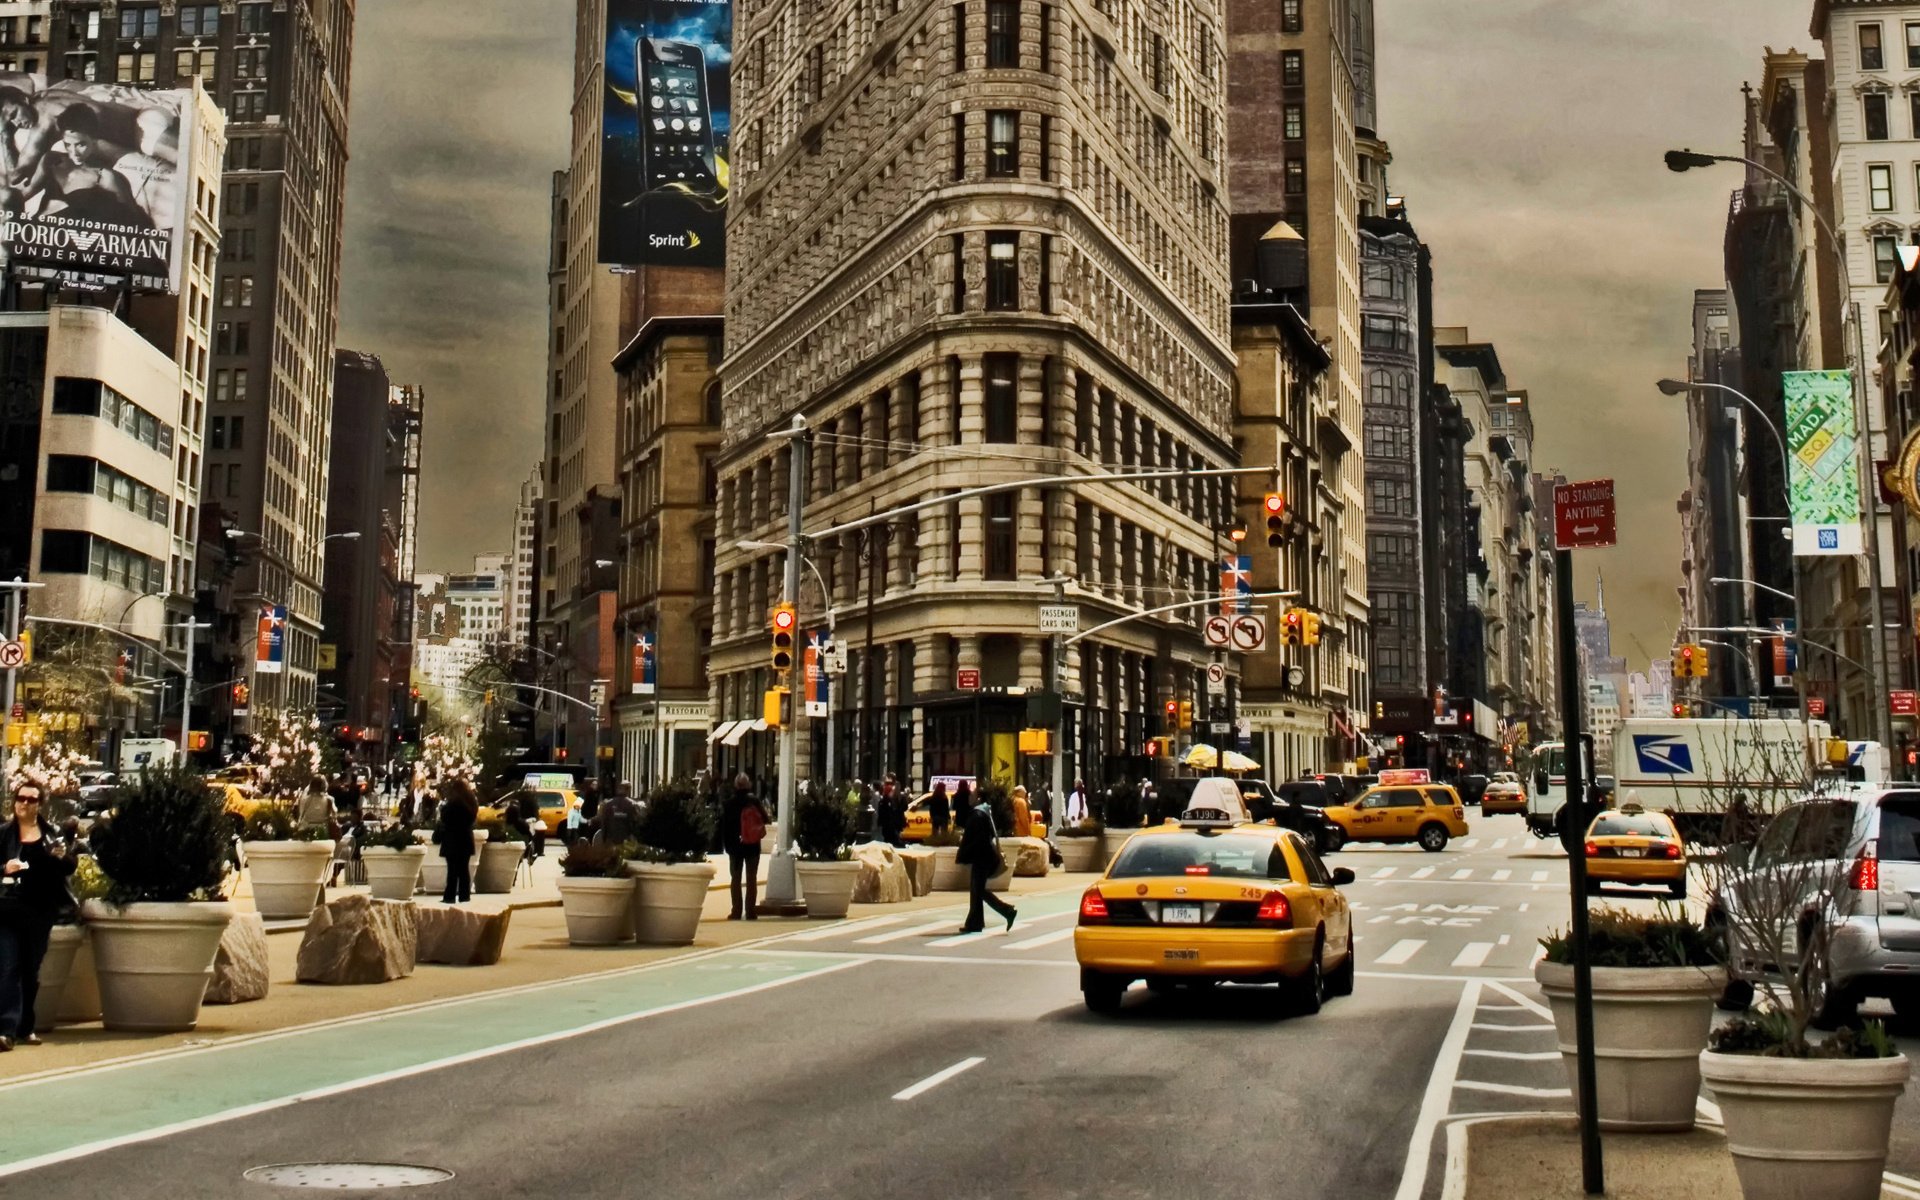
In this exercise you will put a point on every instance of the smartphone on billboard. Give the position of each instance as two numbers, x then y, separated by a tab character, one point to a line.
677	121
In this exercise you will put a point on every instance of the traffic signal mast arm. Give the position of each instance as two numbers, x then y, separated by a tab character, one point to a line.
1167	608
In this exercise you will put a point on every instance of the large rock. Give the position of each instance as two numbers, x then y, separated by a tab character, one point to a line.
883	878
460	936
240	967
1029	856
357	939
919	866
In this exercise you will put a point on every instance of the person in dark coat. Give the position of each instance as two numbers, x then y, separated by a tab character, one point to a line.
459	813
589	799
34	865
980	854
740	835
939	808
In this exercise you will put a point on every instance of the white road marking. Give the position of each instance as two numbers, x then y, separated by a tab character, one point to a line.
1383	872
1510	1028
1505	938
1380	918
915	931
845	929
1439	1096
1499	875
1400	952
1463	873
1518	1055
1510	1089
1423	872
1539	952
1523	906
1469	843
963	939
1045	939
937	1078
1473	954
1524	1001
1501	844
1539	876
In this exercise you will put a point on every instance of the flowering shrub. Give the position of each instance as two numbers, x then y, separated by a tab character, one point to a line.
53	768
440	760
286	754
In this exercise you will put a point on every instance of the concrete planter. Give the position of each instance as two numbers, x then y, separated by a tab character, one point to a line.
433	872
599	911
154	961
1080	854
1649	1024
393	874
63	943
948	875
1806	1127
667	901
827	887
493	871
287	877
79	1001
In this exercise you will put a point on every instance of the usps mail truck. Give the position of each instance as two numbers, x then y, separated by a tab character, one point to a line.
1700	769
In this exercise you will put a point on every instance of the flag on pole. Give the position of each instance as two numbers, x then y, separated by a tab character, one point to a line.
1236	584
645	664
270	650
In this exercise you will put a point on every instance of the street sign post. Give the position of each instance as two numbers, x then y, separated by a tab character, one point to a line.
13	655
1059	618
1216	675
1217	630
1247	632
1583	514
1903	703
967	679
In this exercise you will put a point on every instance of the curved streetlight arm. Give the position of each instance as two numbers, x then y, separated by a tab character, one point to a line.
1754	583
1778	440
806	560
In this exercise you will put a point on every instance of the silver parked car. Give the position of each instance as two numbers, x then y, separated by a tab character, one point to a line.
1854	865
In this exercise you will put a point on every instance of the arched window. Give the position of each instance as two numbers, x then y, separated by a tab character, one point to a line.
1380	388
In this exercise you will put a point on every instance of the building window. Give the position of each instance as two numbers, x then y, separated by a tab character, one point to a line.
960	37
1003	33
250	62
139	23
1293	69
1294	125
1003	271
1885	251
1871	59
135	68
1046	272
1160	80
249	106
199	20
1046	147
1002	416
204	62
959	146
1875	105
958	256
1380	281
1880	187
1913	45
1384	333
1003	143
1046	37
1289	16
255	18
1000	535
1296	176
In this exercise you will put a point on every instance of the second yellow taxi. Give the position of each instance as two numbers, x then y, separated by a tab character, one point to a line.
1415	811
1631	845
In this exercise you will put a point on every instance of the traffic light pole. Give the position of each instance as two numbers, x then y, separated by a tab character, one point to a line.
186	688
1572	686
783	890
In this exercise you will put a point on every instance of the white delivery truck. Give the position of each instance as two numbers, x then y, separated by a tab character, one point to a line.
137	754
1699	769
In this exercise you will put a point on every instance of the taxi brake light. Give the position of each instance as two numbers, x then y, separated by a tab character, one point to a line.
1593	849
1275	908
1865	875
1093	907
1671	850
1200	870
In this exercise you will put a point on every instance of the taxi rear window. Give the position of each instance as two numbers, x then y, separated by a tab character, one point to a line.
1226	855
552	799
1624	826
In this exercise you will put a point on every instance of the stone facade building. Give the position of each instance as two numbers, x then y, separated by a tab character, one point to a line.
972	243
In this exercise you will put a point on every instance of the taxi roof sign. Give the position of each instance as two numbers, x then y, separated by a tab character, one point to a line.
1402	776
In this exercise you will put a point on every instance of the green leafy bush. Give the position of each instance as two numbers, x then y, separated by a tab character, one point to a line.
675	826
167	840
89	882
1618	938
586	860
999	802
498	829
950	836
1082	829
823	824
1771	1034
397	836
276	823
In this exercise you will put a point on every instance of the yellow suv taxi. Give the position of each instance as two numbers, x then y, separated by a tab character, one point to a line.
1424	813
1631	845
1210	900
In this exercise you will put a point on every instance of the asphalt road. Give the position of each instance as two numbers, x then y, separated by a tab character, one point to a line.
881	1056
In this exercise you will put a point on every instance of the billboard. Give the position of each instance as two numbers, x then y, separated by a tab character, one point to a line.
668	117
93	189
270	645
1823	451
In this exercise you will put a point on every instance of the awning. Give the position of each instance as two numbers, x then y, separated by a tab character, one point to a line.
721	732
740	729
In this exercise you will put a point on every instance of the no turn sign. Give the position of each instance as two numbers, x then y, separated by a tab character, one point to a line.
12	655
1248	632
1218	631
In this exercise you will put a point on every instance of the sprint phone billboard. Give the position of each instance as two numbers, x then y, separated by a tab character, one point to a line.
669	101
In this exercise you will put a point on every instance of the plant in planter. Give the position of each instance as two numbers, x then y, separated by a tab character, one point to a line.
286	863
499	855
1654	983
286	754
165	850
392	857
670	864
1080	845
596	893
823	826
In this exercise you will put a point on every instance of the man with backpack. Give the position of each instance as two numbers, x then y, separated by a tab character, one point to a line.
743	823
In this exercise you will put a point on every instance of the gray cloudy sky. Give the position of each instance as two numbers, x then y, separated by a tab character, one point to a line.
1526	134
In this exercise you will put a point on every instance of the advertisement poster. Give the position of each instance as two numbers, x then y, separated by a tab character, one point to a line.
270	654
1236	584
642	682
94	191
1824	499
669	100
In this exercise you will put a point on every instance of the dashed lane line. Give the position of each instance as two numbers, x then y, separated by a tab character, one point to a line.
1045	939
846	930
1400	952
1383	872
1499	876
1517	1055
897	934
1423	873
937	1078
1473	954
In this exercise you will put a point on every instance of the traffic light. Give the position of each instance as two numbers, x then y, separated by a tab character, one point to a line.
784	621
775	708
1186	714
1310	629
1292	628
1173	713
240	694
489	696
1379	710
1680	709
1700	662
1275	506
1683	665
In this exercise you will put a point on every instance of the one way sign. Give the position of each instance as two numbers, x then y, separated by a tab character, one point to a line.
1583	514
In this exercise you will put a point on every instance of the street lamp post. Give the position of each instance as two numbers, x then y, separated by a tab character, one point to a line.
1880	677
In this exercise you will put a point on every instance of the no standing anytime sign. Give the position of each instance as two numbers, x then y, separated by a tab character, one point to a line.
1583	514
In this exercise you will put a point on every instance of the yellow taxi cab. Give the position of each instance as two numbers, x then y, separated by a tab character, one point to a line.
1505	794
1405	806
1210	900
555	793
236	789
1631	845
920	824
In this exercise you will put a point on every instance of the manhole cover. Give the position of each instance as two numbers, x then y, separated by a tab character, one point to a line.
348	1176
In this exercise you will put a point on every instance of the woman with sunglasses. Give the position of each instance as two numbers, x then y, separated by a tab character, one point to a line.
34	865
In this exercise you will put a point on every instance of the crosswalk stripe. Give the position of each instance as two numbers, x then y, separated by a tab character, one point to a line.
1539	876
1463	873
1501	844
1423	872
1473	954
1469	843
1510	1089
1045	939
846	929
897	934
1399	952
1500	875
1383	872
963	939
1512	1028
1517	1055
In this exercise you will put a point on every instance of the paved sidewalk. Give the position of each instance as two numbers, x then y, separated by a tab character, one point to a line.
536	952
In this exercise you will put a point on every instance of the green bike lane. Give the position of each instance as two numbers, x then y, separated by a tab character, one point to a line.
64	1116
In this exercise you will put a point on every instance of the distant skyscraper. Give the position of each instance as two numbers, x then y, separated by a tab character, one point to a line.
522	572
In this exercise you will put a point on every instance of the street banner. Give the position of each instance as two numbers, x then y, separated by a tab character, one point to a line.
1823	451
270	650
1786	652
96	190
1236	584
645	663
814	659
668	118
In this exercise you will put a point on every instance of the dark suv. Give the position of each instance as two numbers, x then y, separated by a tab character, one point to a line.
1298	805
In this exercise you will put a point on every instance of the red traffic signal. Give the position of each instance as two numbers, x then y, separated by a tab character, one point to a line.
1173	707
1275	506
1679	709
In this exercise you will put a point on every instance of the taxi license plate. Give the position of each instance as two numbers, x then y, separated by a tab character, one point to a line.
1631	852
1182	955
1179	914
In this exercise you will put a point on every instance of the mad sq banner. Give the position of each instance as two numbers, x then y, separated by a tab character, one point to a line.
1823	450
